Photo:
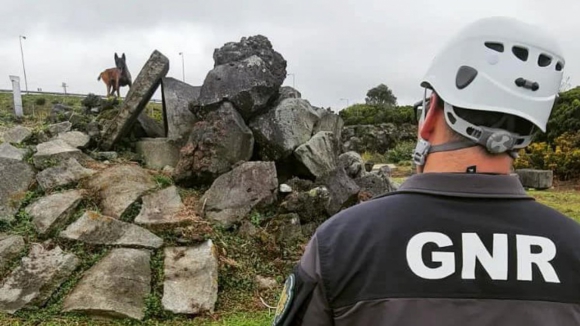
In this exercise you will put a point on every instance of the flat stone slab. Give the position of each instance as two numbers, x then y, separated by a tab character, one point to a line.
161	207
64	174
116	287
40	274
119	187
191	279
54	211
58	128
75	139
55	152
536	179
16	177
95	228
143	88
158	152
176	98
10	152
10	247
17	135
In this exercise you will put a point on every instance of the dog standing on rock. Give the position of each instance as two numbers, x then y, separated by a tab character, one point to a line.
117	77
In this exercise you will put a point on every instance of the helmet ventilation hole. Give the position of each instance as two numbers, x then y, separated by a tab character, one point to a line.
451	118
520	53
544	60
465	75
494	46
559	66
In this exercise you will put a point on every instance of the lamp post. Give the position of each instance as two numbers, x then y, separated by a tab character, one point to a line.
345	99
20	37
182	65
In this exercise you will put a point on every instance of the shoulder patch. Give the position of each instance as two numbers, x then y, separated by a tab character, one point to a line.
285	300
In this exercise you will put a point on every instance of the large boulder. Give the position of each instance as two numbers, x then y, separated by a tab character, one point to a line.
343	191
191	279
536	179
16	177
148	127
319	154
281	130
310	205
137	98
39	274
374	184
116	287
234	194
352	163
176	98
218	142
330	121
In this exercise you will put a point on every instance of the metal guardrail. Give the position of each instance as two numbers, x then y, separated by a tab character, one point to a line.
63	94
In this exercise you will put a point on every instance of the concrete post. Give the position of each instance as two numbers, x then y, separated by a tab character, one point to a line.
17	96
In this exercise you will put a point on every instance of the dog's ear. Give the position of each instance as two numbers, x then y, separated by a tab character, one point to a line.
123	57
116	56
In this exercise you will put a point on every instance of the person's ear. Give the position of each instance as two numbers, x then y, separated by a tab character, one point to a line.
430	121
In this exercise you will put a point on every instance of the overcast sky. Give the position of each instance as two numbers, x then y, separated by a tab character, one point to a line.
336	49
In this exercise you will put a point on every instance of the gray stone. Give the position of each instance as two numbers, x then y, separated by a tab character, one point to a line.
158	152
93	130
377	138
309	205
8	151
374	184
536	179
10	247
176	98
265	283
16	177
288	92
247	83
40	274
94	228
55	152
59	128
342	189
168	169
330	121
17	135
234	194
64	174
281	130
258	45
116	287
120	186
289	229
75	139
352	163
107	155
319	154
148	127
218	142
54	211
162	208
284	188
137	98
191	279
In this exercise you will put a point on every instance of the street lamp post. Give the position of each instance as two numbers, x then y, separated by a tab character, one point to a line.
182	65
293	84
345	99
20	37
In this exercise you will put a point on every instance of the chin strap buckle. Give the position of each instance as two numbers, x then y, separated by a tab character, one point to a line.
421	151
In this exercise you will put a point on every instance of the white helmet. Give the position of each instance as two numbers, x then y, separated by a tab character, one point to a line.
497	64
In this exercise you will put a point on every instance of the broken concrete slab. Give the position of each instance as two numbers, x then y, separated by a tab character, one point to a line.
55	152
158	152
76	139
162	208
64	174
54	211
176	97
10	152
137	98
119	187
17	135
16	177
191	279
95	228
40	274
10	247
116	287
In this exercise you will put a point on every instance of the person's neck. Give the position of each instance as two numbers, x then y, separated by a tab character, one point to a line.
459	161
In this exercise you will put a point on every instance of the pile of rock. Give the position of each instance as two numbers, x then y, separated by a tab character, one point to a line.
377	138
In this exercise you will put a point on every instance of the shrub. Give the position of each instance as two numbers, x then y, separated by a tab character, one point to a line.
402	152
363	114
40	101
91	101
374	157
563	157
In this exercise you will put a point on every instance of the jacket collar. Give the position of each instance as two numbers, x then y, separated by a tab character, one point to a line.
466	185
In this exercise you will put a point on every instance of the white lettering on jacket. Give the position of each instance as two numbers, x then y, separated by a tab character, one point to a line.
494	263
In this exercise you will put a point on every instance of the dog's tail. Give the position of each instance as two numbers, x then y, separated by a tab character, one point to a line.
99	78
